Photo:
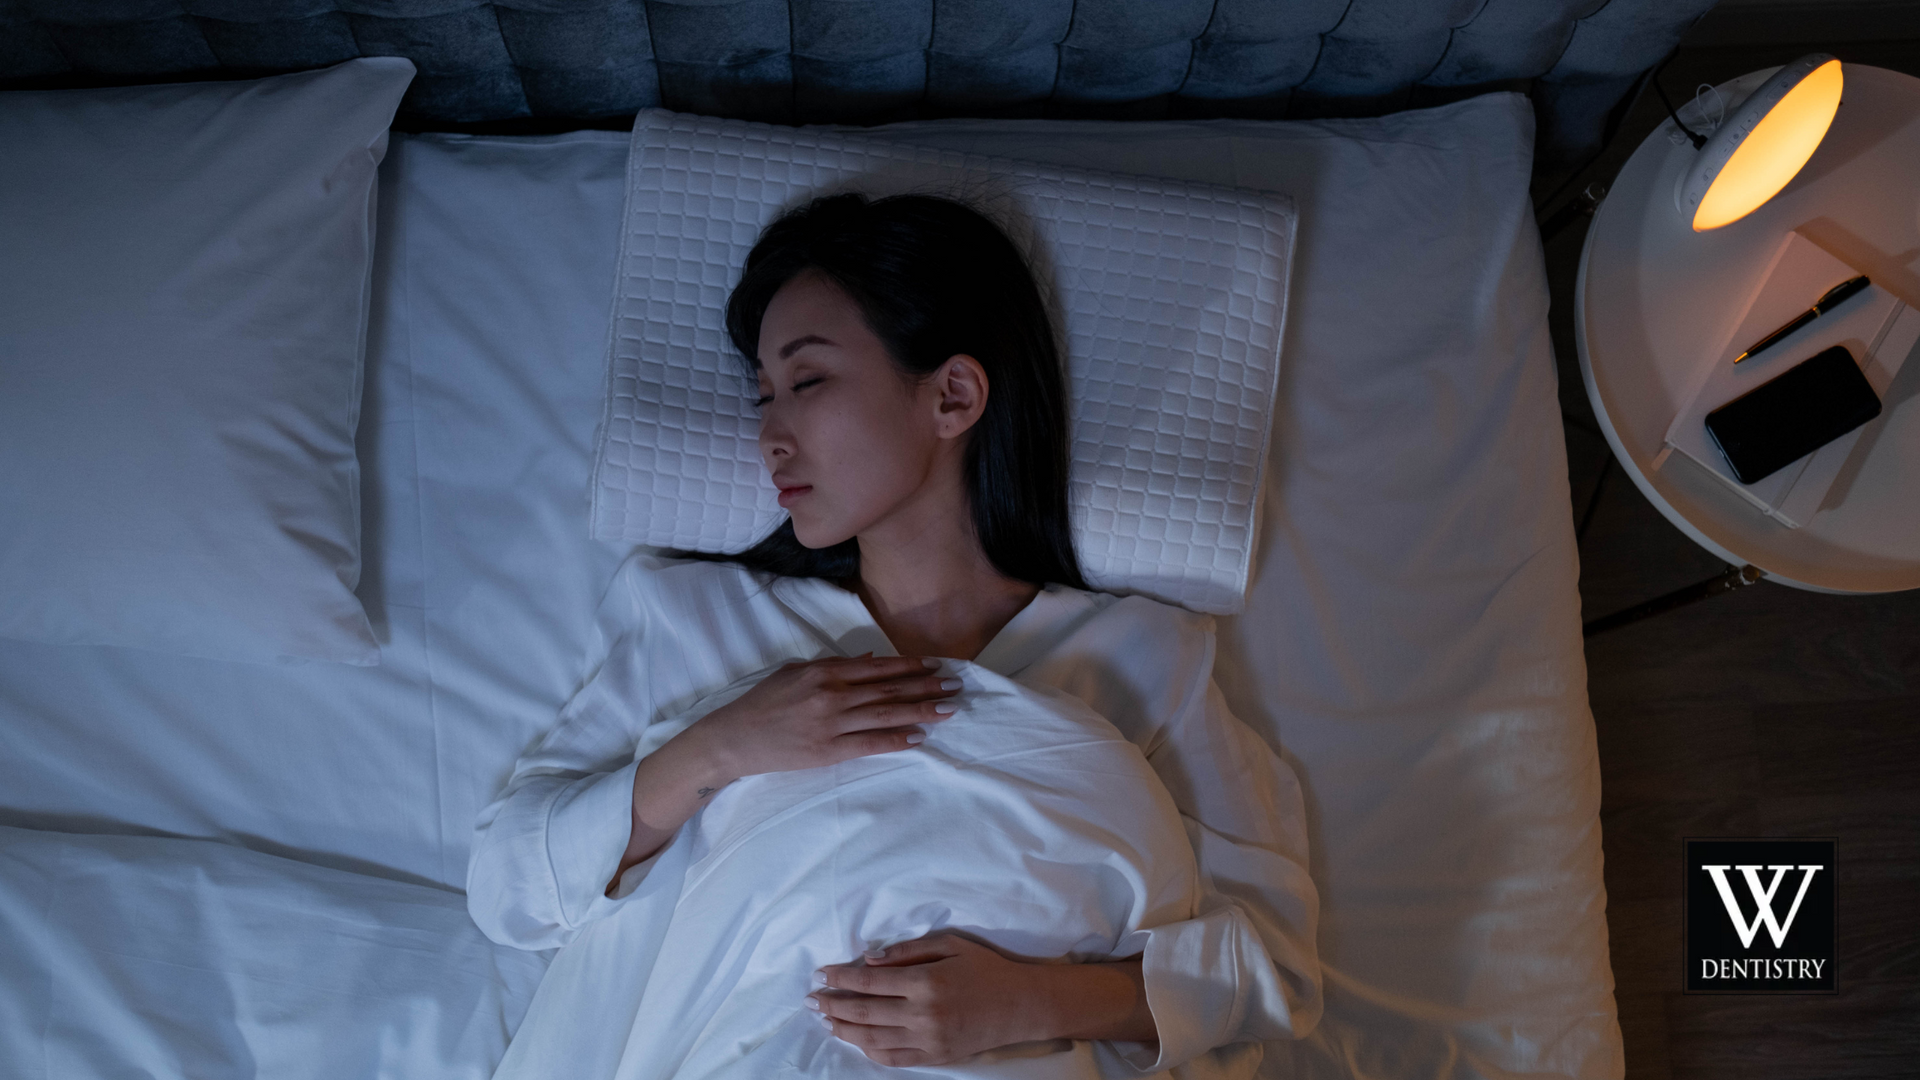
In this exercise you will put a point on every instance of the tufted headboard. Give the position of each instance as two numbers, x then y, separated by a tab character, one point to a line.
869	61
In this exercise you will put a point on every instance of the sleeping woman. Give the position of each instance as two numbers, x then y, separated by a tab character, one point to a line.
893	788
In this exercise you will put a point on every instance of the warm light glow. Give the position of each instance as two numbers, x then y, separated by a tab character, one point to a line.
1773	151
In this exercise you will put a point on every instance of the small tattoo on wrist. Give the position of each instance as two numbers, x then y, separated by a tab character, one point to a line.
705	791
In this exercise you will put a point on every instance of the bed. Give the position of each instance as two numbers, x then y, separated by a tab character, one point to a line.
217	868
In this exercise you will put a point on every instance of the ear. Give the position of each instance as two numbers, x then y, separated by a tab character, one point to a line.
960	388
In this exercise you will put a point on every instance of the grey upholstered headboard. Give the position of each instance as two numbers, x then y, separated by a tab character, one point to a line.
863	61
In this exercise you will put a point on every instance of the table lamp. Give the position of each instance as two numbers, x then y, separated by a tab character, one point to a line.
1761	146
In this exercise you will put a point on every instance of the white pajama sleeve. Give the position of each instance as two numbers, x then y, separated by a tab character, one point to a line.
1247	969
543	854
545	849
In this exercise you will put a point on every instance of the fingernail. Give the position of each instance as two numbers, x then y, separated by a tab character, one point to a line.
875	954
915	738
930	662
813	1003
825	1020
945	708
819	978
951	684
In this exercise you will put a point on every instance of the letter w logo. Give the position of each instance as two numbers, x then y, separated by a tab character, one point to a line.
1762	899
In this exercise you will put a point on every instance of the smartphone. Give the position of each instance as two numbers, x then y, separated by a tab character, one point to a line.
1793	414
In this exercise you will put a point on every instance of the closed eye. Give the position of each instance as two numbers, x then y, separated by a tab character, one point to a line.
761	401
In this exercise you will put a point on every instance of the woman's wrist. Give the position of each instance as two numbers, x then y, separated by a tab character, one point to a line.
692	762
1106	1001
669	786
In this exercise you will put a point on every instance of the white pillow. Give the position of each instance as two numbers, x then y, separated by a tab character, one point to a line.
184	281
1171	297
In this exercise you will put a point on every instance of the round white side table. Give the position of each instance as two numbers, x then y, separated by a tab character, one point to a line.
1656	299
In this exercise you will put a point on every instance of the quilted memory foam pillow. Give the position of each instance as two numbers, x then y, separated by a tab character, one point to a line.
1170	298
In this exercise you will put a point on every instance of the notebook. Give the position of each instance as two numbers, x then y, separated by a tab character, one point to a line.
1875	326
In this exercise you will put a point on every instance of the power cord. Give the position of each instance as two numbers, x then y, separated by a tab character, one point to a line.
1697	139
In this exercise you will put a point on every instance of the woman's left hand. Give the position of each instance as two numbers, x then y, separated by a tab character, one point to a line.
944	997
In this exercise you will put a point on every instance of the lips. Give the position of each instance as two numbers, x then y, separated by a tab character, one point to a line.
789	494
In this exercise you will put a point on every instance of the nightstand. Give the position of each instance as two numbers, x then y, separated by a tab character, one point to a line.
1656	299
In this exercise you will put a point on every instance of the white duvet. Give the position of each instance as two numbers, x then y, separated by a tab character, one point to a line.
1025	821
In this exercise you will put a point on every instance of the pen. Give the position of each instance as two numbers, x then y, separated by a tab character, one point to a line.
1820	307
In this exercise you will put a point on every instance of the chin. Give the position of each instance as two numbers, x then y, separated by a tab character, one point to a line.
812	535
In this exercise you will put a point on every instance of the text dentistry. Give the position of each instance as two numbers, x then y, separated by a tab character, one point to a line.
1761	969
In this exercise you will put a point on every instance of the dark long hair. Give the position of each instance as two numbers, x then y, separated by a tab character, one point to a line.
935	278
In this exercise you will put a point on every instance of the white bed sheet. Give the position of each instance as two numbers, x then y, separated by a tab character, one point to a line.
157	957
1411	638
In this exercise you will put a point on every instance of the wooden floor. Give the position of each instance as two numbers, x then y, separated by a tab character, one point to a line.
1765	712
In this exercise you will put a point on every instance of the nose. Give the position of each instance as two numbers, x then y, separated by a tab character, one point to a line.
776	442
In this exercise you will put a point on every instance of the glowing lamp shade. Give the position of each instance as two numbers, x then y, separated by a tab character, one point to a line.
1762	145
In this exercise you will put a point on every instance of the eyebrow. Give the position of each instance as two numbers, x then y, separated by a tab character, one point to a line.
799	343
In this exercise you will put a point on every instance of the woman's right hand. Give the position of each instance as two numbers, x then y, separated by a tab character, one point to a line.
820	712
803	716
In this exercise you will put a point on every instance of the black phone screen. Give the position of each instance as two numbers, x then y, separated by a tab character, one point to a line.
1793	414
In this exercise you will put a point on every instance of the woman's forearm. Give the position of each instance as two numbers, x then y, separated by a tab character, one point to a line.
1095	1001
670	785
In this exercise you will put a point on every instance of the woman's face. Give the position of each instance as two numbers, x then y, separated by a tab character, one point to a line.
849	441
